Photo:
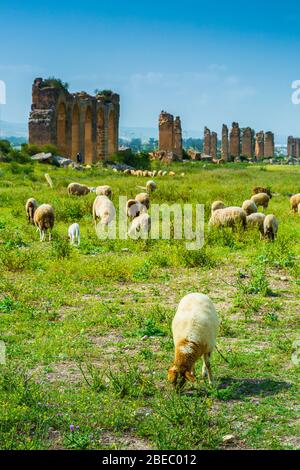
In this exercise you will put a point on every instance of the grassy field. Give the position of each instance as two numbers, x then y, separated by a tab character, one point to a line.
87	330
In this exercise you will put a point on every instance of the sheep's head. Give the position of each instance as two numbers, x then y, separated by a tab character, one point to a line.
179	375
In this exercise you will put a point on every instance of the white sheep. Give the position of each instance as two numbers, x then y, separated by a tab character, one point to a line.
150	186
299	208
44	220
140	226
195	326
144	199
104	210
295	201
104	190
228	217
74	234
261	199
256	219
249	207
30	208
134	208
78	189
217	205
270	226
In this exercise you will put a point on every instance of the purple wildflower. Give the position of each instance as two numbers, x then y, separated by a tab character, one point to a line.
72	427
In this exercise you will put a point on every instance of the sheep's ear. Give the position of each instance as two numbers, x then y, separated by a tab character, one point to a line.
189	376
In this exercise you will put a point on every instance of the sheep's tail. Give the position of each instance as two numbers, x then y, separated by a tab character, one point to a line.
49	180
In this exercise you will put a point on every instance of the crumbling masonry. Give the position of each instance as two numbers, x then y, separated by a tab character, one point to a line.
74	122
170	137
293	147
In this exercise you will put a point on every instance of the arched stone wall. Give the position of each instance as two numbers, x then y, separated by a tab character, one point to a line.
88	137
61	129
101	140
75	132
111	133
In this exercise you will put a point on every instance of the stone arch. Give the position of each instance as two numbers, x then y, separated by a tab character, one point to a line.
61	128
88	136
75	138
100	135
112	148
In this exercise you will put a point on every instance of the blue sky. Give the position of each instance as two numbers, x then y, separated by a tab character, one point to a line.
209	62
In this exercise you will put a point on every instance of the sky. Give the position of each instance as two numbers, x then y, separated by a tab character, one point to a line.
209	62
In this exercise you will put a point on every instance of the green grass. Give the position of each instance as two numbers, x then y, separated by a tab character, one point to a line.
87	330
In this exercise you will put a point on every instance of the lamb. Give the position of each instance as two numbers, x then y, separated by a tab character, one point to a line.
217	205
150	186
30	208
104	190
294	202
144	199
261	199
104	210
259	189
270	226
228	217
249	207
140	226
44	220
195	326
256	219
78	189
74	234
134	208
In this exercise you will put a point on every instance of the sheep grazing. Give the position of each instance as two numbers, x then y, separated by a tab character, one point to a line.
299	208
154	173
140	226
74	234
150	186
126	172
294	202
259	189
104	210
256	219
44	220
104	190
78	189
134	208
164	173
30	208
270	226
144	199
195	326
249	207
261	199
159	173
217	205
228	217
171	173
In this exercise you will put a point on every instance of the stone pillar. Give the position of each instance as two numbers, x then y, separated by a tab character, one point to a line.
234	141
225	143
259	145
166	132
269	144
297	149
247	145
213	145
206	141
177	138
290	144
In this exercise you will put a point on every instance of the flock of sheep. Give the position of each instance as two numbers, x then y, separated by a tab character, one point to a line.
195	324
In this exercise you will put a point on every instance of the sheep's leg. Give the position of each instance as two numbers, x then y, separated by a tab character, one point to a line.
50	235
206	358
42	235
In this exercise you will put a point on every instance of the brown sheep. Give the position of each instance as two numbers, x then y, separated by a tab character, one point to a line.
44	220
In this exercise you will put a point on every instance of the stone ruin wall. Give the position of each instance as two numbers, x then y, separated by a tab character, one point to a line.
170	137
74	122
293	147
